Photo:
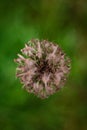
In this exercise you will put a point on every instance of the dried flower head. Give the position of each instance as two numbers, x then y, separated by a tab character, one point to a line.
43	67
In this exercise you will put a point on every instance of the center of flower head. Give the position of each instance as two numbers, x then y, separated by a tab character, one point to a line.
44	67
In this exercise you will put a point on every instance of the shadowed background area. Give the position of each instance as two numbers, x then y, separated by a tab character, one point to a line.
60	21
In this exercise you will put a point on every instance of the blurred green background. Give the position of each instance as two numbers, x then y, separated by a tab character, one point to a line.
61	21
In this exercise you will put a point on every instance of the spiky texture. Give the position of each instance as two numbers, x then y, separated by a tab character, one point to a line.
42	68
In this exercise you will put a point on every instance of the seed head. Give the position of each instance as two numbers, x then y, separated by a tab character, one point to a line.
42	67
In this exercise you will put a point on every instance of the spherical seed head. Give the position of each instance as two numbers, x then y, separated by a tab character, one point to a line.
42	67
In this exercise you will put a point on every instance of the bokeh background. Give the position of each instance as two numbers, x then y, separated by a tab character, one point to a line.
61	21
